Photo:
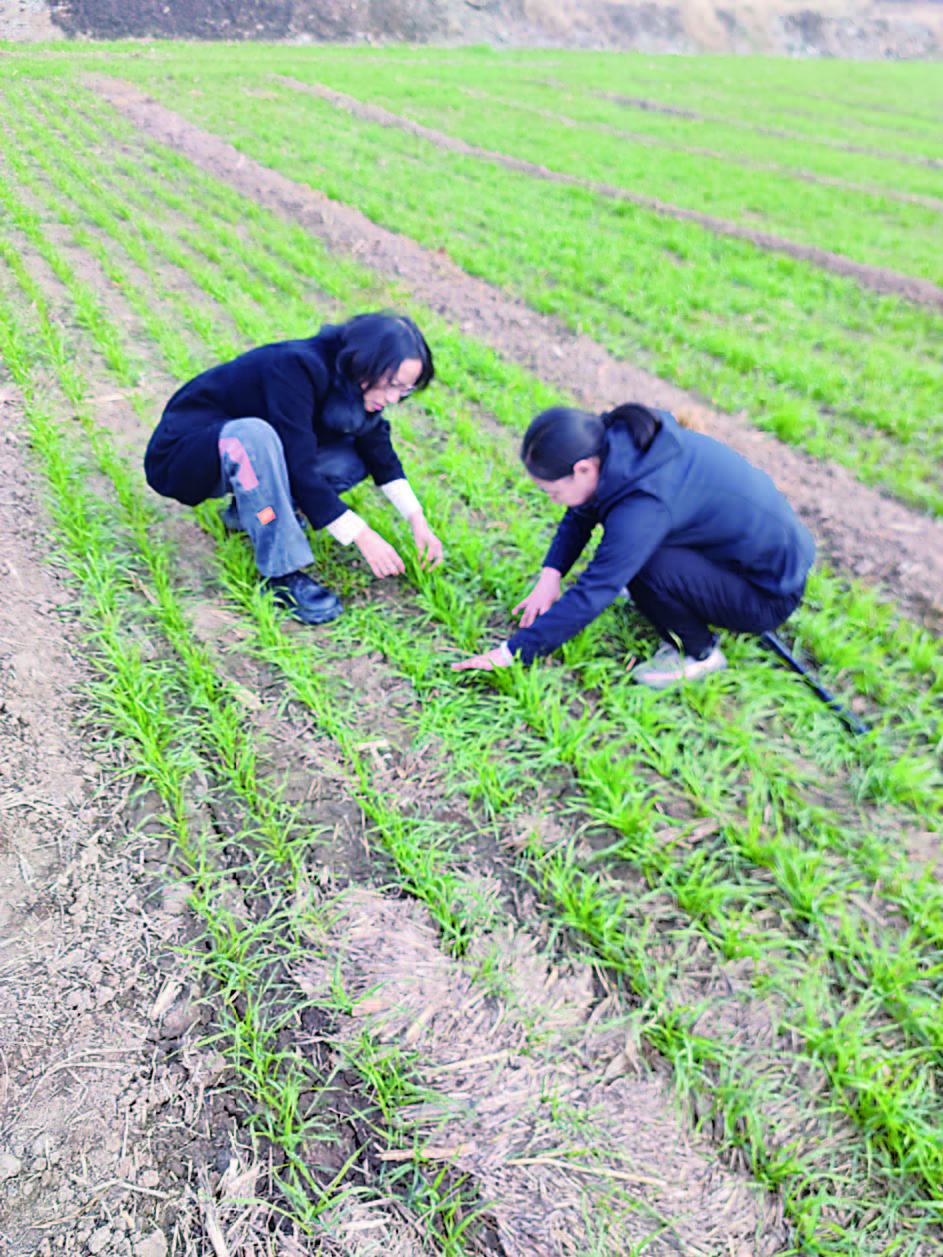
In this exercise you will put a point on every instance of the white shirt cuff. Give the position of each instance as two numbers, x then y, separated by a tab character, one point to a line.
506	657
402	497
346	528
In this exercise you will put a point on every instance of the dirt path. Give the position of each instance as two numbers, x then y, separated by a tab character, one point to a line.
876	278
746	163
860	530
81	938
779	133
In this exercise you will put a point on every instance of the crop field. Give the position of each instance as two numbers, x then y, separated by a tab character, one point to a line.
540	962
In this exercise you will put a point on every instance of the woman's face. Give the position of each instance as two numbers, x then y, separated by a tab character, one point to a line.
575	489
393	387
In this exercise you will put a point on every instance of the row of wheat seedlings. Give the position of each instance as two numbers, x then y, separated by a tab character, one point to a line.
886	656
199	708
794	347
187	732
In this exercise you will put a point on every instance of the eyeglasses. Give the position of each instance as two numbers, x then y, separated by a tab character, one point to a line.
403	390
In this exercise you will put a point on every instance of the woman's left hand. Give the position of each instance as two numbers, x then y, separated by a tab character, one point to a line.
497	658
427	543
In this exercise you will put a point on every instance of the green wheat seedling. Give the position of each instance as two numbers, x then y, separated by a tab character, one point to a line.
139	235
446	1207
578	82
133	696
589	112
819	112
893	234
765	407
181	187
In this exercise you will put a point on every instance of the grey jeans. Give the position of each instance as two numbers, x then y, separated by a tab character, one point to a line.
253	469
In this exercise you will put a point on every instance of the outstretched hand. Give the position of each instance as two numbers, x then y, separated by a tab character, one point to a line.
497	658
428	544
382	559
540	599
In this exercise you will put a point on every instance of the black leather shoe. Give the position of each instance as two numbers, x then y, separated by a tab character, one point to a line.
307	601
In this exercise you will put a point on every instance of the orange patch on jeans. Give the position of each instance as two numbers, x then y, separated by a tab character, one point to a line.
266	516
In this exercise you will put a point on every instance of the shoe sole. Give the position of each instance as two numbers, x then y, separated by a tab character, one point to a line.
665	683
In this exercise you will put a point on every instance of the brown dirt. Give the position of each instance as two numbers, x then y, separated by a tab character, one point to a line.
876	278
488	1093
862	531
79	952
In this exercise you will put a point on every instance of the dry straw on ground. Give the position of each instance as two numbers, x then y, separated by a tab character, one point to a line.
529	1094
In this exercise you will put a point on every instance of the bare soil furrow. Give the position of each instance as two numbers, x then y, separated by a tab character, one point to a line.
503	1110
862	531
738	159
877	278
91	1116
638	102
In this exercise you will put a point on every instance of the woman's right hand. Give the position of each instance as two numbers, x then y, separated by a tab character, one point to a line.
382	559
541	598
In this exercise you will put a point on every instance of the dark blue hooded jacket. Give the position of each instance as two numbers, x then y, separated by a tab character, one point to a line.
686	490
295	387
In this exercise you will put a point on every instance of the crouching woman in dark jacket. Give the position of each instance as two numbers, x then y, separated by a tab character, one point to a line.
702	539
293	425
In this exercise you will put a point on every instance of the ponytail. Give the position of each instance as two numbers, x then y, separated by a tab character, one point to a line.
642	424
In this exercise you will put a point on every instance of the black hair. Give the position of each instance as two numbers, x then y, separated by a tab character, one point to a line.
374	345
559	437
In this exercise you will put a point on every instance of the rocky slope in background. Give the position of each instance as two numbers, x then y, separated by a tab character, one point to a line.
889	29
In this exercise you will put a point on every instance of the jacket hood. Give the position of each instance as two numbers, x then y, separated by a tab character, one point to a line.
626	467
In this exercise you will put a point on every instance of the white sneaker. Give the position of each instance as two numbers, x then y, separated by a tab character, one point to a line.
668	667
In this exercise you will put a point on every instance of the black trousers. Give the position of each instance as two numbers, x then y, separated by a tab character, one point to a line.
683	593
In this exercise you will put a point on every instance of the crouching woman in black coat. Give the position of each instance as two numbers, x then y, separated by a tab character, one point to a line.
701	538
293	425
